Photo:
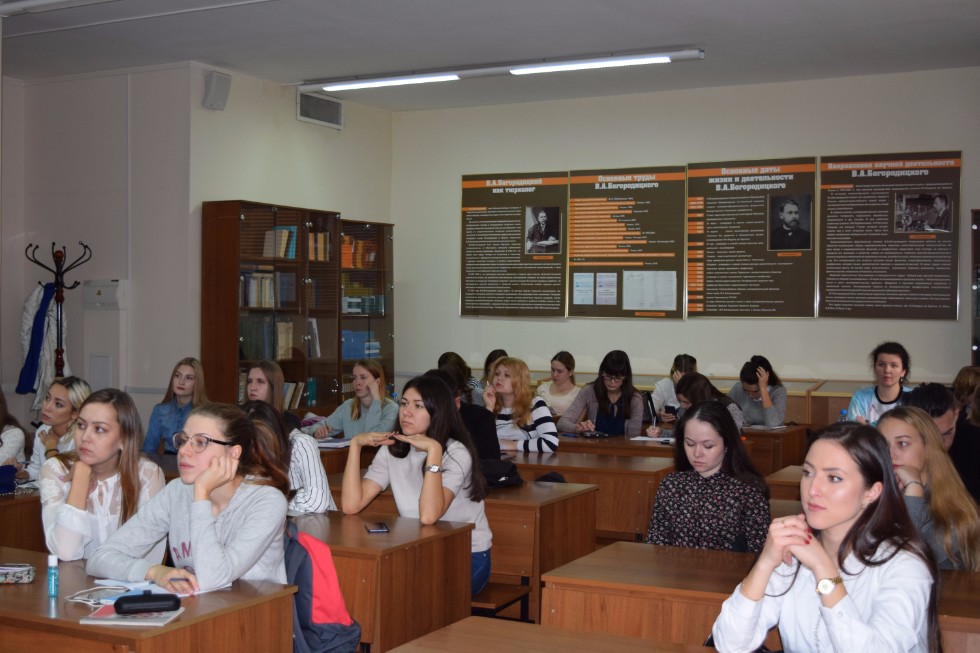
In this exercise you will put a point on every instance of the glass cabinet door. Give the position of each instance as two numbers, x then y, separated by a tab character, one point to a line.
322	297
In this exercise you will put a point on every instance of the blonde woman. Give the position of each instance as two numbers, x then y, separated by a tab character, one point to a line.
185	392
59	410
524	421
942	510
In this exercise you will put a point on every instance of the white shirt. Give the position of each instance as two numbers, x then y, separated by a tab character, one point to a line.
37	457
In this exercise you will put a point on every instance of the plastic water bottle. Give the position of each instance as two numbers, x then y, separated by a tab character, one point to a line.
843	415
53	576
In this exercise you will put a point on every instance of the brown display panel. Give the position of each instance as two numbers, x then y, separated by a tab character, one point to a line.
890	247
750	253
513	260
626	243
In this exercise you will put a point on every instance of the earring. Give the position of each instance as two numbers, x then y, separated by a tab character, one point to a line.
865	504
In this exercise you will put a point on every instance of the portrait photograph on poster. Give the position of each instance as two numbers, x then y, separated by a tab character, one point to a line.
790	222
542	230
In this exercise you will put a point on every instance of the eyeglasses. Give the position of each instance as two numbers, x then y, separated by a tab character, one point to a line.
614	379
198	442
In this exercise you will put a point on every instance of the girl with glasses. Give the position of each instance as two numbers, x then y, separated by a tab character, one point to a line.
86	494
610	404
524	422
224	516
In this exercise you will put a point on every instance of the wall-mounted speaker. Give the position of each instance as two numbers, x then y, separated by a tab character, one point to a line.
217	87
319	109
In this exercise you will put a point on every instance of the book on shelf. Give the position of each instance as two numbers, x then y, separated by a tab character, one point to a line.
285	283
288	388
311	391
318	246
314	340
287	242
284	340
107	616
297	396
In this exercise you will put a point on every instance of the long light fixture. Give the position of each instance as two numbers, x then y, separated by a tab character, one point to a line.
518	68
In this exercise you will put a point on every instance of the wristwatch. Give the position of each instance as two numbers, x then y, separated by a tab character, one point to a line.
435	469
827	585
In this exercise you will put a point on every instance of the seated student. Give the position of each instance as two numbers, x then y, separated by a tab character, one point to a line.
965	449
370	409
492	358
961	437
474	391
185	392
86	494
11	436
610	404
716	499
524	422
429	464
224	516
560	391
309	488
695	388
760	394
479	422
664	395
267	383
848	574
941	509
892	367
58	413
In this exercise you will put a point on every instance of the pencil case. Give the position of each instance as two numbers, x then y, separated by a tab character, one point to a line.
16	572
146	602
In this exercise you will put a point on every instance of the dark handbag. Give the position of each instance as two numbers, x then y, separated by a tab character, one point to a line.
7	483
500	473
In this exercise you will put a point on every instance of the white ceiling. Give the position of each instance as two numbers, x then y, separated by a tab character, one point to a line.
293	41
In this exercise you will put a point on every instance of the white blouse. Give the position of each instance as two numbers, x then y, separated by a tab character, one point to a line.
558	404
72	534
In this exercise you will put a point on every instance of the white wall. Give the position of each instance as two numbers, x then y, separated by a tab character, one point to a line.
895	113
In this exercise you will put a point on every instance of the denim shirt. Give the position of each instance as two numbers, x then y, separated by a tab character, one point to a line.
165	420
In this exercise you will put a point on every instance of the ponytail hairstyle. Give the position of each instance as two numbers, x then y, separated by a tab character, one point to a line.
568	361
445	424
200	395
260	457
750	374
271	436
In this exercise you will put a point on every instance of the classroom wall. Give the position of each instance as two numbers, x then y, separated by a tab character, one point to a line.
123	161
890	113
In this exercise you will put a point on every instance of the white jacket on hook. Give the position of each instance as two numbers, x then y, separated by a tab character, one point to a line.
45	369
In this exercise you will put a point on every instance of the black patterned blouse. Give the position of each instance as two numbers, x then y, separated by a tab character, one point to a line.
717	512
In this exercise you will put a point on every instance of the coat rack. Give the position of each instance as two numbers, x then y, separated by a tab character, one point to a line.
59	256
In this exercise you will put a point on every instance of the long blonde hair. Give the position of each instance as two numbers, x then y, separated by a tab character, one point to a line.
78	391
953	509
520	380
374	369
200	395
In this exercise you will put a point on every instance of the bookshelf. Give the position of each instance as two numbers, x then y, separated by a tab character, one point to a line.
272	287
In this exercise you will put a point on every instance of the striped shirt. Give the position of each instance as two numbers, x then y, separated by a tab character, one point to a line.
540	435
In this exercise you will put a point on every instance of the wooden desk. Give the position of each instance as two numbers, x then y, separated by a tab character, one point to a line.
627	485
247	617
617	445
482	634
640	590
784	508
20	516
773	450
785	484
959	611
402	584
536	527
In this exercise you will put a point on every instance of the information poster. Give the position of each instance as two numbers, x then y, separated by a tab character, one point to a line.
889	235
626	243
514	244
750	235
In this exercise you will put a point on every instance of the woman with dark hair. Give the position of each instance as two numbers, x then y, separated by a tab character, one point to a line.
560	391
267	383
892	367
848	574
760	394
298	452
429	464
610	404
479	422
492	358
86	494
185	392
473	392
695	388
716	499
663	393
11	436
224	517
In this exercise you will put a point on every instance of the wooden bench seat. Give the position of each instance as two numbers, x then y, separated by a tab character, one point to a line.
498	596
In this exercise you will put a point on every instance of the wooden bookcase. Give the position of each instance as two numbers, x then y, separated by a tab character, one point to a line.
287	284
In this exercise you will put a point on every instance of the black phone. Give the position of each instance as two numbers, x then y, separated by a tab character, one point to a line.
670	409
376	527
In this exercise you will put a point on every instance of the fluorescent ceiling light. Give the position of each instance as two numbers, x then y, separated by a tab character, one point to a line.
390	81
517	68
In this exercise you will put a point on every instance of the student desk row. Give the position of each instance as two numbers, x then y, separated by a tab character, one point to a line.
536	527
20	516
785	483
673	594
246	617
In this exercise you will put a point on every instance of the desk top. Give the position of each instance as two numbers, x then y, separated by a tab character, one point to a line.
347	534
593	462
959	598
501	636
790	475
839	388
627	565
29	603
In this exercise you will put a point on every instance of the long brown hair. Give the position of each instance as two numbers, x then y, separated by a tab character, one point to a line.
200	395
275	379
6	419
258	458
271	434
374	369
953	509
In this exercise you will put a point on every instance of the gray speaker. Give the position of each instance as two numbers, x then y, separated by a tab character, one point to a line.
217	87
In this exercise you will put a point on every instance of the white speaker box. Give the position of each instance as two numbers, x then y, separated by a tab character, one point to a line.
217	87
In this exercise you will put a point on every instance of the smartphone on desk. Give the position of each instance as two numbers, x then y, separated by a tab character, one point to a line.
376	527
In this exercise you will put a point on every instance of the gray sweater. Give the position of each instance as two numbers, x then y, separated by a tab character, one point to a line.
753	411
245	540
918	508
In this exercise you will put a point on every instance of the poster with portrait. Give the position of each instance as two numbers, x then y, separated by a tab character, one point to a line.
889	235
514	245
626	242
750	238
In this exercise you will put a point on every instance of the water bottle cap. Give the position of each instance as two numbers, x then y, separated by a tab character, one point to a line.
52	560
